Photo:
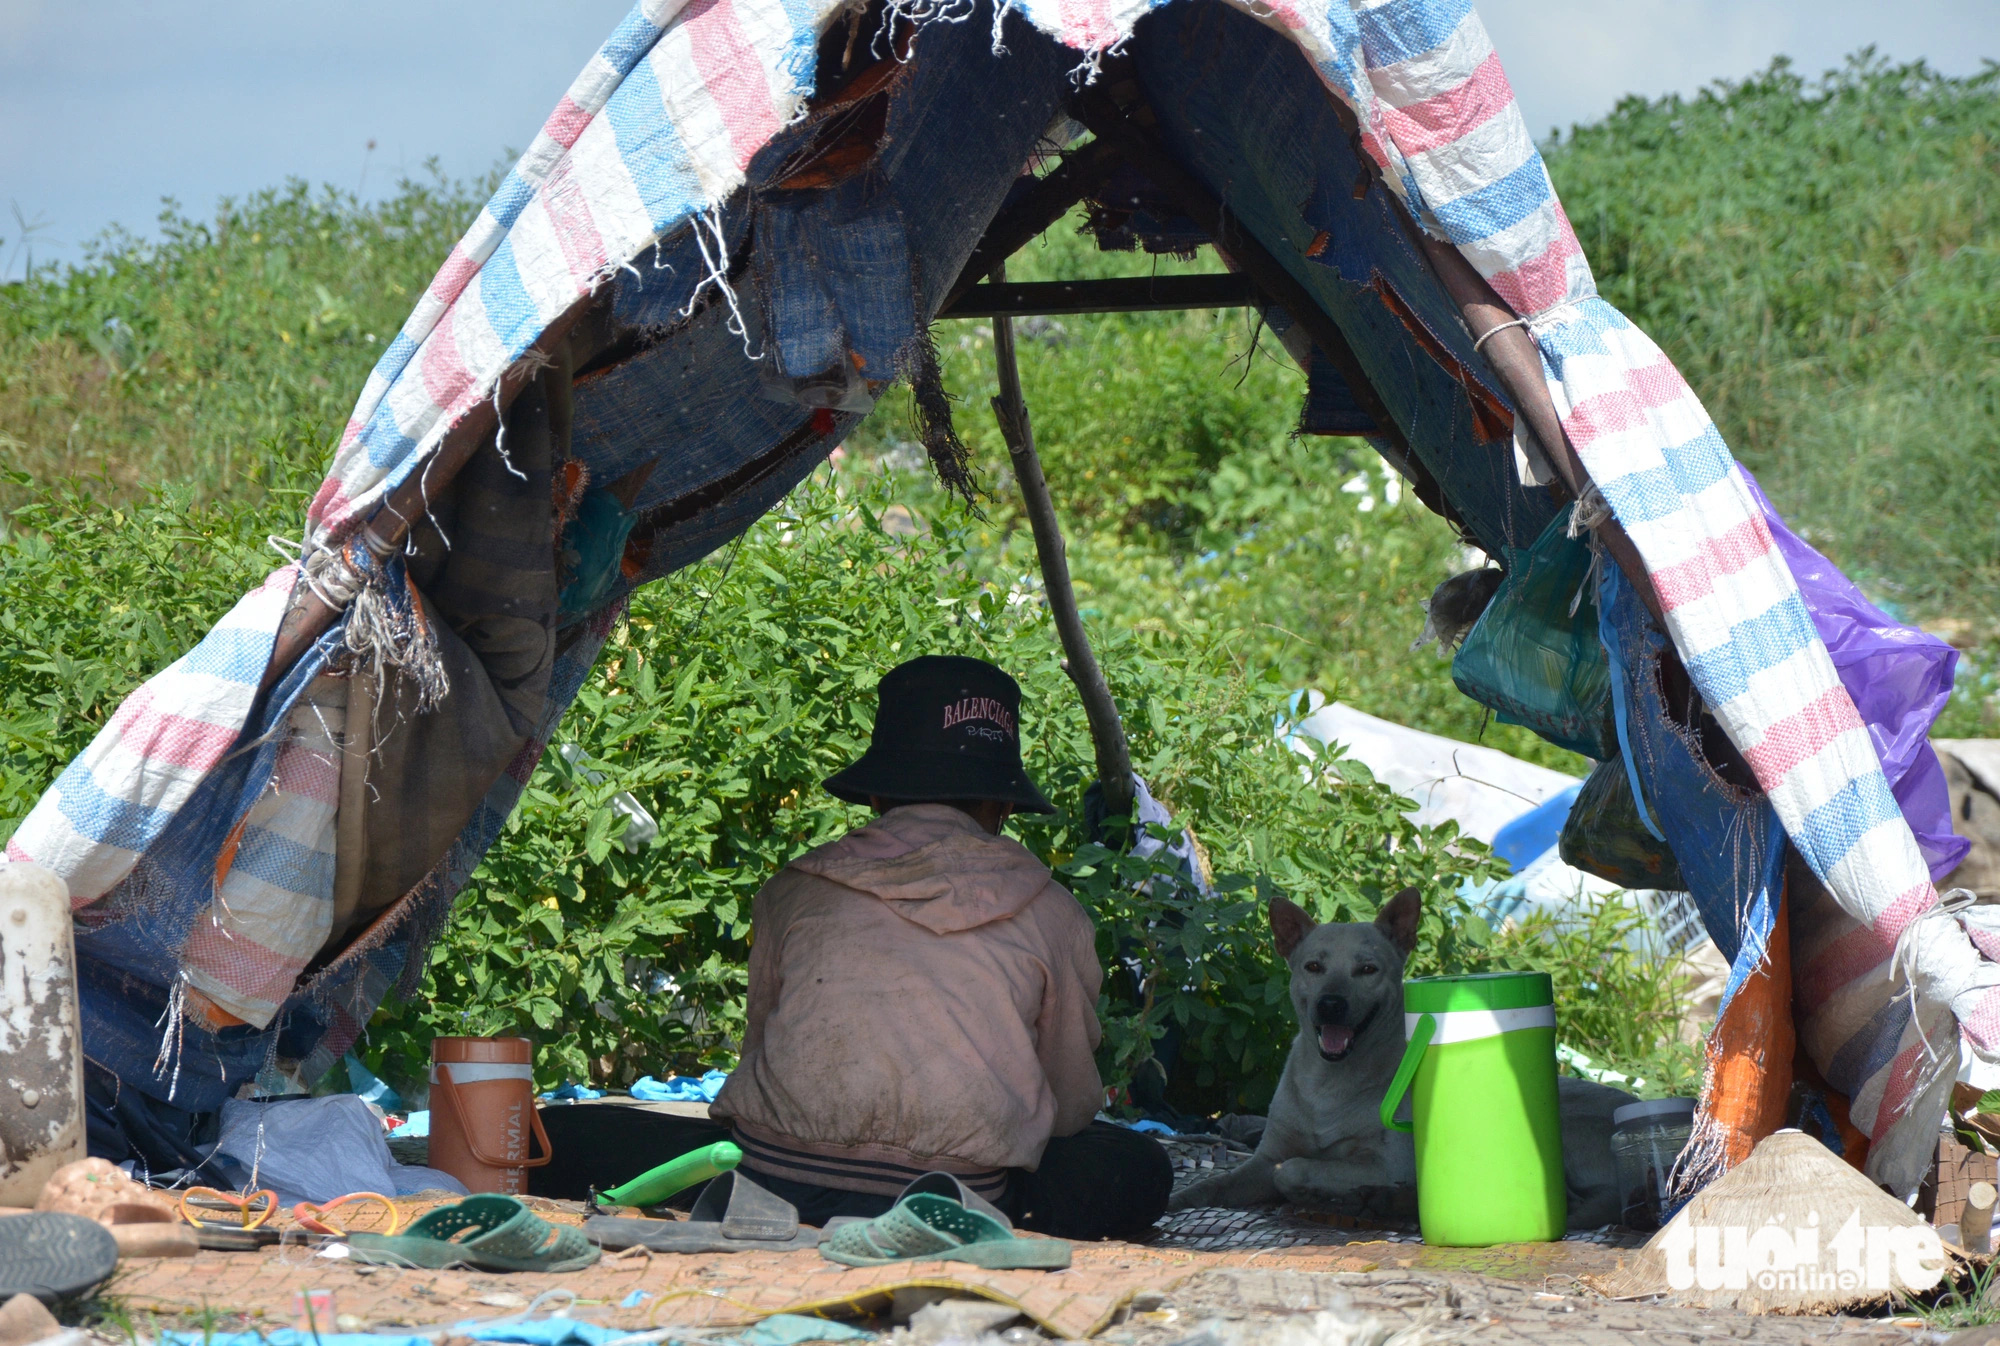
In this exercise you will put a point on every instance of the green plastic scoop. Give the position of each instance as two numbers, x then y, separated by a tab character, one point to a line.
676	1175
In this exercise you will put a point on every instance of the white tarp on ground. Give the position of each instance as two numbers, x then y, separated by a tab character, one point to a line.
1481	789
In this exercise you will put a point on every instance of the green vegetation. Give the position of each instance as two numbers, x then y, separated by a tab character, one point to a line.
1819	258
1822	260
728	694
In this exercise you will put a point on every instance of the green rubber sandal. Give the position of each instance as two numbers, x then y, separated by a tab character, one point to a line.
491	1233
926	1227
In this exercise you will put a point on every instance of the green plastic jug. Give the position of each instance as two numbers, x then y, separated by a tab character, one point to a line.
1482	1057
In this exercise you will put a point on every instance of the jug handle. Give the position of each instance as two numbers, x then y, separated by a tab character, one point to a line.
450	1096
1413	1056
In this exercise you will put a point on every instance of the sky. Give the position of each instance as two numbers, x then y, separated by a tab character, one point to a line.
106	106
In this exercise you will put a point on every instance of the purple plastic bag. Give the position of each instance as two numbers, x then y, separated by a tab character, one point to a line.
1899	677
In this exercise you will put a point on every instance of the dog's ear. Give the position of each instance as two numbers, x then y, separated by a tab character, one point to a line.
1398	919
1289	925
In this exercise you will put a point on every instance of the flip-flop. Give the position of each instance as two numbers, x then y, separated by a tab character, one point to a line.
926	1226
732	1214
489	1232
53	1256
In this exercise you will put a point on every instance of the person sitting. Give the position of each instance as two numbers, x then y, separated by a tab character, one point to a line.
923	993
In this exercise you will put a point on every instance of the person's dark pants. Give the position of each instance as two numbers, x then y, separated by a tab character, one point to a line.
1104	1182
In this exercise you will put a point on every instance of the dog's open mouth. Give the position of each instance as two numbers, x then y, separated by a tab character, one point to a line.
1337	1040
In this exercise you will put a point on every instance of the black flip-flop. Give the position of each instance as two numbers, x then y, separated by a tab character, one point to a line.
53	1256
732	1215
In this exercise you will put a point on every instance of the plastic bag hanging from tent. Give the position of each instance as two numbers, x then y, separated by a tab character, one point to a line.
1534	656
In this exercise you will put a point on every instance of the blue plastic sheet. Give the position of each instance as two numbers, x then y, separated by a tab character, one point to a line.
1528	838
680	1088
540	1331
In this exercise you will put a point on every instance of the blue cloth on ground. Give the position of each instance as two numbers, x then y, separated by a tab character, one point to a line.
571	1091
680	1088
789	1329
780	1329
417	1123
540	1331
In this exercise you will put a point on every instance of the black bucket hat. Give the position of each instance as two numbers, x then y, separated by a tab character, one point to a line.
946	727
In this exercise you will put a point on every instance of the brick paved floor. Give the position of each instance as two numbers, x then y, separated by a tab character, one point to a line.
1213	1278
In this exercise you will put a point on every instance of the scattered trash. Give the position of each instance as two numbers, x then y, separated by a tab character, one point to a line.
371	1088
1588	1069
641	828
791	1329
958	1318
680	1088
313	1311
1646	1139
1975	1223
1328	1327
571	1092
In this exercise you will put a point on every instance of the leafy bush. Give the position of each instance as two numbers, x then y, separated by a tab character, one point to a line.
95	598
733	689
1618	1000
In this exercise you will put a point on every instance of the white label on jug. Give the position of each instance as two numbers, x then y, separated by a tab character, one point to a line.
479	1072
1472	1025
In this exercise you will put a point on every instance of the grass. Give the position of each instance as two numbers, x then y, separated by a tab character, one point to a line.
1822	260
1962	1302
176	361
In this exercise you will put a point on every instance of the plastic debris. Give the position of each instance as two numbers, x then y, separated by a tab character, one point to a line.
680	1088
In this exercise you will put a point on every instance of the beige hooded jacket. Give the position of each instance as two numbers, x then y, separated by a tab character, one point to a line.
922	996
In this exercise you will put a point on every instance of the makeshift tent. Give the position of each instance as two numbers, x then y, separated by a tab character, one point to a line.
731	233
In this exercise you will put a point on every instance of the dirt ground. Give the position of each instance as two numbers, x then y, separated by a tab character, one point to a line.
1166	1293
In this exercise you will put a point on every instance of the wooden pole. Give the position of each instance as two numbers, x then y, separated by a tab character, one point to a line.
1512	354
1107	731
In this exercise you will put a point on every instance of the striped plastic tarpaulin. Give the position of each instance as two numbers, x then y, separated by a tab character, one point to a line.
659	130
1470	169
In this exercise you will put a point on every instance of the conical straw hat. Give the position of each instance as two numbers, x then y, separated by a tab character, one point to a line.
1791	1229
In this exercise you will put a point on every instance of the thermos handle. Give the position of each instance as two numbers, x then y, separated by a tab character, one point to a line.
457	1109
1413	1056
